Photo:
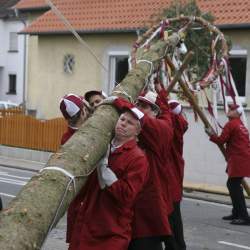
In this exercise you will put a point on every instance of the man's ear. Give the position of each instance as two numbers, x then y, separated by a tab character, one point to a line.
138	129
155	112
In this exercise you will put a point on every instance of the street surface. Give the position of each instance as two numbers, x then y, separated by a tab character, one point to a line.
204	229
11	181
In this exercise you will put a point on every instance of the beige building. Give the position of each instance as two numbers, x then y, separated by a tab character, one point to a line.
65	66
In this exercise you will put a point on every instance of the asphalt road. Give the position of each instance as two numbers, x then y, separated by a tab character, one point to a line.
203	227
205	230
11	182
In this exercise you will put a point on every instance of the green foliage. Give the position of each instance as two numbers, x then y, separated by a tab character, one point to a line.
198	39
188	9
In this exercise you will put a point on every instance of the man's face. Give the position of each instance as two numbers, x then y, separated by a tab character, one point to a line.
145	108
232	114
94	100
127	126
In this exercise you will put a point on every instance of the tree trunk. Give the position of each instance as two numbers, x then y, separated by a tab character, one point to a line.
28	219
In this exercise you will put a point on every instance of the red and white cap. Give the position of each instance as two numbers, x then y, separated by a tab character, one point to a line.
236	107
137	113
175	107
71	104
149	98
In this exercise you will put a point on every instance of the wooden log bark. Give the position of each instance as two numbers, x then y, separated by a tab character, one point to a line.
45	198
177	76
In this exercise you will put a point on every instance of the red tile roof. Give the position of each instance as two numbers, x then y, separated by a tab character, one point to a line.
115	15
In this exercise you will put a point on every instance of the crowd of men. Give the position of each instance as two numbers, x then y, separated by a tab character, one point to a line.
132	200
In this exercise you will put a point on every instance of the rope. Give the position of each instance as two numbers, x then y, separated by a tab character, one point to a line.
72	180
149	62
151	38
65	172
147	81
70	27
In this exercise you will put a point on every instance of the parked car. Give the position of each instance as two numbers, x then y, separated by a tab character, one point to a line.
8	105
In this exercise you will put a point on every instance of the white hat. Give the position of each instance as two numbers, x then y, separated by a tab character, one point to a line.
240	110
236	107
149	98
175	107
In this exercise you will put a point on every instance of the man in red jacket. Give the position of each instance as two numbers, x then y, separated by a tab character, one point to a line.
103	219
180	126
75	110
150	224
236	137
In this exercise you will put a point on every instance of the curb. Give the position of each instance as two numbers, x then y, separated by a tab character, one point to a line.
211	197
206	188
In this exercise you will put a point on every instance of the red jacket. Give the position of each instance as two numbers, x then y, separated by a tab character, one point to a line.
68	134
236	137
180	125
153	204
104	217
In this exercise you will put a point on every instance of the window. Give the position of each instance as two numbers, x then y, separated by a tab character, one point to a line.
68	64
13	43
12	84
118	68
238	64
121	68
238	69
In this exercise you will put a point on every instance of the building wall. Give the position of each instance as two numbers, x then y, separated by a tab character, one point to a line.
47	81
11	62
2	52
204	163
